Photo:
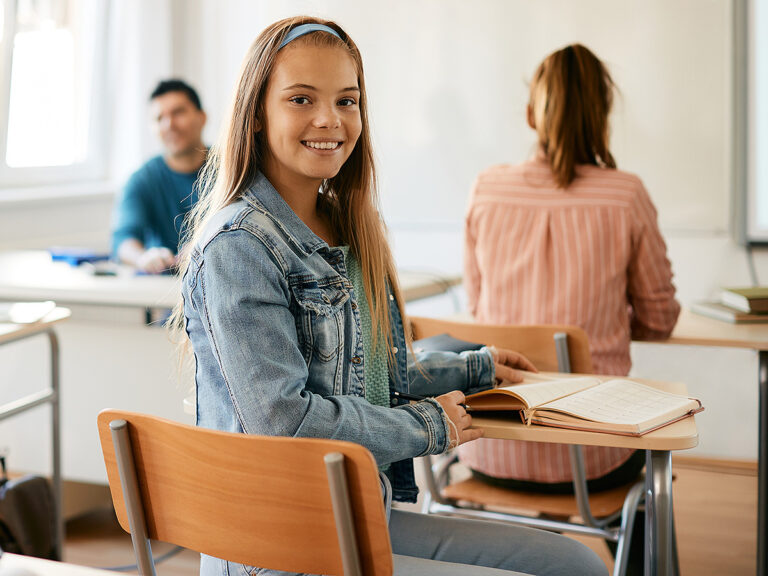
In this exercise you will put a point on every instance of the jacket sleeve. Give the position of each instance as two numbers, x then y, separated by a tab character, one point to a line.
243	298
434	373
650	291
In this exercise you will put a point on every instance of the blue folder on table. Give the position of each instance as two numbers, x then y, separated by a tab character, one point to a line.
76	256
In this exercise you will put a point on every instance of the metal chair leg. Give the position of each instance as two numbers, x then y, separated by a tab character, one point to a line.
133	505
628	513
342	512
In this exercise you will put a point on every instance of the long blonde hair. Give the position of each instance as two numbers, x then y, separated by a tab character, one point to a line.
570	101
350	197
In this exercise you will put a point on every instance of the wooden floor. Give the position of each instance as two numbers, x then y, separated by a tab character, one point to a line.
97	540
716	521
715	513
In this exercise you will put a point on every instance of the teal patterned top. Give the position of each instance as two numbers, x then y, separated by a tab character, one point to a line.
375	367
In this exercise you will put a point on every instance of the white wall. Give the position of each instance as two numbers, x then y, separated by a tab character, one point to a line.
447	86
447	82
51	221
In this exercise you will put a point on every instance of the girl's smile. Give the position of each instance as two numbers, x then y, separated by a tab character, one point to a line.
322	145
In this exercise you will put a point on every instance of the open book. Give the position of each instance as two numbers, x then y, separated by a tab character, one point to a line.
589	403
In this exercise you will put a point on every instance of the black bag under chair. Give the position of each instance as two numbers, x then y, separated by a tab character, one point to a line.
27	516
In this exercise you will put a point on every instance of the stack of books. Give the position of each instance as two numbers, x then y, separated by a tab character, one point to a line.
737	305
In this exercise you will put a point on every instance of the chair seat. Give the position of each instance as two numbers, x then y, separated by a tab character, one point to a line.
478	492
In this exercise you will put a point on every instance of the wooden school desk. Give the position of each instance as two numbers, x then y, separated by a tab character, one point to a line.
16	565
13	333
695	330
658	446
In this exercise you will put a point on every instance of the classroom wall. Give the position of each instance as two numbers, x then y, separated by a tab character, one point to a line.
447	81
447	84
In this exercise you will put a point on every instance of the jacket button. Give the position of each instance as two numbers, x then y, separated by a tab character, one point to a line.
354	305
326	299
394	349
356	360
391	297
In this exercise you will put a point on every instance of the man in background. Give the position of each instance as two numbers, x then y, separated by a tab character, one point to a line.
148	216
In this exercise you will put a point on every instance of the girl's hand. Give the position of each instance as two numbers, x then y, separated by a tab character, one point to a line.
460	420
509	365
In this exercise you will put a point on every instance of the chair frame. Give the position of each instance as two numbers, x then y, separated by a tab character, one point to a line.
142	454
566	339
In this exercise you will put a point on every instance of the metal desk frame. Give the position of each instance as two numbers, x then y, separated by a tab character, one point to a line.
47	396
660	550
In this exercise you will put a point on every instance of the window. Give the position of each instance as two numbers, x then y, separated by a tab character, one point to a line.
53	55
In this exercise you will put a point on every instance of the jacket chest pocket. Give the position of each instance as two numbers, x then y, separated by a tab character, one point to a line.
320	319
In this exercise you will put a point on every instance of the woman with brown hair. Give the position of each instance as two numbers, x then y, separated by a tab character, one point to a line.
567	238
293	311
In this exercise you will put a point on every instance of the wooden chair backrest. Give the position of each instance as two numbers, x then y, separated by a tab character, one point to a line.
256	500
535	342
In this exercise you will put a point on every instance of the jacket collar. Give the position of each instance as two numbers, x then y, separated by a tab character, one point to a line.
263	196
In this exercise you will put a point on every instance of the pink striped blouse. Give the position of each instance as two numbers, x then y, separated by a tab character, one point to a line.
591	255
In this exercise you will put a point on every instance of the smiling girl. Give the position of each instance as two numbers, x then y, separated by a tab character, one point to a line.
293	310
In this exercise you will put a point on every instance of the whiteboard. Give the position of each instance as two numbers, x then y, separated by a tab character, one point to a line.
447	82
757	123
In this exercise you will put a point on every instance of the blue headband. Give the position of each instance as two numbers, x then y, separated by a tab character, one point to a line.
306	29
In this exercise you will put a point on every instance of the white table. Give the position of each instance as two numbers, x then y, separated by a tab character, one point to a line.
31	275
15	565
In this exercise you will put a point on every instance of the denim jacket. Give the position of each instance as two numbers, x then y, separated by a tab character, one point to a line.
275	328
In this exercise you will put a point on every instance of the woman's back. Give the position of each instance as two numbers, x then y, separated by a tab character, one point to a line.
590	255
539	254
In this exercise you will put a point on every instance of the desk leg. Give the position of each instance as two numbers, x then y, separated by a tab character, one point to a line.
56	446
762	465
658	513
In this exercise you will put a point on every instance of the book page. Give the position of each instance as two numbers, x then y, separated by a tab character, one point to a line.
537	393
622	402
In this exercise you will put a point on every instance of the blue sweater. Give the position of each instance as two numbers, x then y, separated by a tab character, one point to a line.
153	205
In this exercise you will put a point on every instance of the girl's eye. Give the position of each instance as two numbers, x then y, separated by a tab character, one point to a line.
299	100
347	102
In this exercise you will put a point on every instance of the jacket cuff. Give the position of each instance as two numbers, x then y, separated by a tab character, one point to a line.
436	424
481	371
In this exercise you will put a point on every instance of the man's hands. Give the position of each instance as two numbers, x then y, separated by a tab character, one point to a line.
152	261
509	364
460	420
156	260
